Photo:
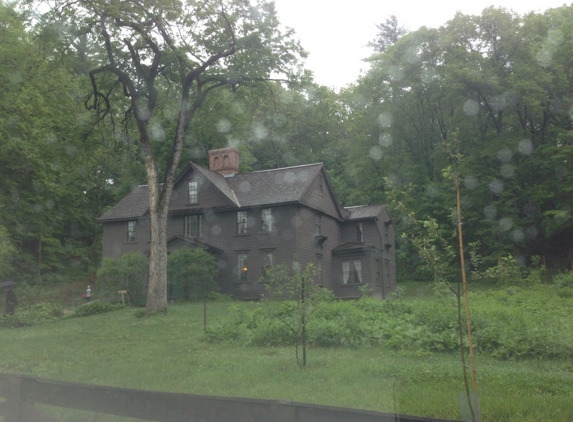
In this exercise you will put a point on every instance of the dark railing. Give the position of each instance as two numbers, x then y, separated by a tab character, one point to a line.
22	392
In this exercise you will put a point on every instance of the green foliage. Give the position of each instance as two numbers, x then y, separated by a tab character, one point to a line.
563	279
95	308
529	322
301	299
509	272
35	314
192	273
124	273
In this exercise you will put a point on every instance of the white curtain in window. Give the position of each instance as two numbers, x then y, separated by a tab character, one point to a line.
358	270
345	271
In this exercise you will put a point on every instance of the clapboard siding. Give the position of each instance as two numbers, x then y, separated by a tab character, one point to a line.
321	199
296	196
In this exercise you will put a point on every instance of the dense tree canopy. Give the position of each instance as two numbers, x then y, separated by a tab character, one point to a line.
126	103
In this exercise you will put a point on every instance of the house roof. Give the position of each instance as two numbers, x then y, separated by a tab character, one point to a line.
192	243
258	188
134	205
365	211
273	186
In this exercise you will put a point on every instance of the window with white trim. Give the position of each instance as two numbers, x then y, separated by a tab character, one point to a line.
268	260
131	231
242	222
352	271
266	220
193	225
242	268
193	192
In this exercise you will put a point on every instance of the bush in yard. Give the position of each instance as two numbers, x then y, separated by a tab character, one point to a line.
124	273
192	273
36	314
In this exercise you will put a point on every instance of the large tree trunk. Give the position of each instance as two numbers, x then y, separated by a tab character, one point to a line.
158	208
157	288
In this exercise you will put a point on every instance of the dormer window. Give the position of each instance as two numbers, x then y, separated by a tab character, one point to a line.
193	197
131	231
359	233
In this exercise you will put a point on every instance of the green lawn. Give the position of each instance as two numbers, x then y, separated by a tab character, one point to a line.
168	353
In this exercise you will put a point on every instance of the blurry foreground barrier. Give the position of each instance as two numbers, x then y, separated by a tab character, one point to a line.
22	392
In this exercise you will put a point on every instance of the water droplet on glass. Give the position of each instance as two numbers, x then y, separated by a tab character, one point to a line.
471	107
376	153
245	187
505	224
496	186
471	182
525	147
385	139
490	211
504	154
517	235
507	171
385	119
223	126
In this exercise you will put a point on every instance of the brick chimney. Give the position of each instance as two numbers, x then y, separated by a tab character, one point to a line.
224	161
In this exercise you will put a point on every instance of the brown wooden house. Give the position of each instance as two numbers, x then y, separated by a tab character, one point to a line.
249	221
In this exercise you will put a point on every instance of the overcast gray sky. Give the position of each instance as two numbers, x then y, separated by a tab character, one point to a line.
336	33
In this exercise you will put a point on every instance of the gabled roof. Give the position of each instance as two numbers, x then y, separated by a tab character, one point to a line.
134	205
192	243
218	180
276	186
258	188
365	211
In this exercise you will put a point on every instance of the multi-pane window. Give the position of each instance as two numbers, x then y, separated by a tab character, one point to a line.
352	271
242	222
319	269
359	233
193	225
266	220
131	231
242	269
268	261
193	199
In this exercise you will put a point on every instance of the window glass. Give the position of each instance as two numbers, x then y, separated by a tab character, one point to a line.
352	271
131	231
242	269
266	220
242	222
268	261
193	226
193	199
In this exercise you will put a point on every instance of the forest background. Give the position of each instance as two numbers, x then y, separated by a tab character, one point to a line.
491	94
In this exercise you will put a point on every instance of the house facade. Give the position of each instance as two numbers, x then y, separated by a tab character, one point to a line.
250	221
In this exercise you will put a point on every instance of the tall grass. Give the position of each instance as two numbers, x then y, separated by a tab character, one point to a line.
169	353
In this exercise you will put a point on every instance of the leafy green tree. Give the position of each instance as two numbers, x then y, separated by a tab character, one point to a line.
173	54
300	297
192	273
125	273
388	34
